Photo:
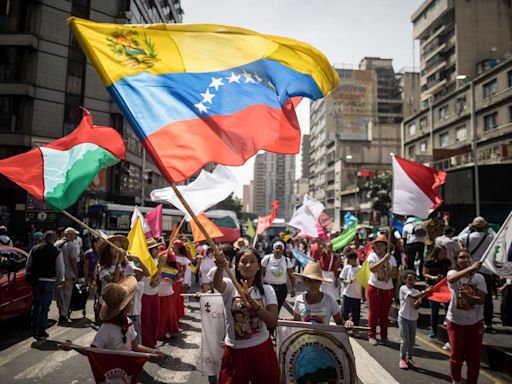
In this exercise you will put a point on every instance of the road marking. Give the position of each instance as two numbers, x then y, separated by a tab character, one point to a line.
19	349
55	360
368	370
483	372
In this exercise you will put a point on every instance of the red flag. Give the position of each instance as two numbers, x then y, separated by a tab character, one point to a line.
266	221
154	220
110	366
362	253
440	292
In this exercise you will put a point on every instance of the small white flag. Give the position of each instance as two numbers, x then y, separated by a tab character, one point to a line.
306	217
498	256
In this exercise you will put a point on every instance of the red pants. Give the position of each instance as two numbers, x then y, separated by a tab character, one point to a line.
179	300
150	316
379	302
465	344
257	365
168	318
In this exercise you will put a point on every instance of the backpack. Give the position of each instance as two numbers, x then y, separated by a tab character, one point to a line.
418	229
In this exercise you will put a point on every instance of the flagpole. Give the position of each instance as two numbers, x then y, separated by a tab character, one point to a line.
177	232
98	234
493	242
391	207
207	236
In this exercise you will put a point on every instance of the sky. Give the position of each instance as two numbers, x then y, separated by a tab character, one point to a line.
344	30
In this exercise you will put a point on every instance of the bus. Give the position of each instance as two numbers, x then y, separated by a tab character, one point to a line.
116	218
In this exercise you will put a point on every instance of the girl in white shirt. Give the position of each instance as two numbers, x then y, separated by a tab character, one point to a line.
250	311
410	300
315	306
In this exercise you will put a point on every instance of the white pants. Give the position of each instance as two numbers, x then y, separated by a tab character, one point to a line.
64	297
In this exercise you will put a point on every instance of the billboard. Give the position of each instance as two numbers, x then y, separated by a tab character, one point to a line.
355	104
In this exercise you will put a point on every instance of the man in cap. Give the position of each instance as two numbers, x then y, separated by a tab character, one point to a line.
70	253
476	238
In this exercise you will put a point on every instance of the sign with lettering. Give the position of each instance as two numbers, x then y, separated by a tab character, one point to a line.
212	329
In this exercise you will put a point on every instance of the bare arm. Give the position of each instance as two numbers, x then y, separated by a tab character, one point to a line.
218	278
374	266
453	278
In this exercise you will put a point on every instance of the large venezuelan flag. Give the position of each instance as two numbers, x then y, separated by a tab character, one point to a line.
201	93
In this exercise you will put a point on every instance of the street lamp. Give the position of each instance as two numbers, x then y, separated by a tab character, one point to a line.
474	138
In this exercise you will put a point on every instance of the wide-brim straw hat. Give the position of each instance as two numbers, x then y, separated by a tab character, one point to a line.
479	222
240	243
313	271
152	243
120	240
117	296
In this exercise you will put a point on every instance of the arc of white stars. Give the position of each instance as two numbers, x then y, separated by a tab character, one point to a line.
216	83
207	96
233	78
248	77
201	107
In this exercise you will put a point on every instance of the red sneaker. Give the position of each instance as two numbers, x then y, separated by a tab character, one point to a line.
403	364
412	364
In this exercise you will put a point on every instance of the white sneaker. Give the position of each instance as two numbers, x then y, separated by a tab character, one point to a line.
372	341
446	346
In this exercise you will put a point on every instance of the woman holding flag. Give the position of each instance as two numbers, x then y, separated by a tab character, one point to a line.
248	353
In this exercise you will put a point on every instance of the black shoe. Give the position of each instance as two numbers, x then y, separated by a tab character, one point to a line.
42	335
64	320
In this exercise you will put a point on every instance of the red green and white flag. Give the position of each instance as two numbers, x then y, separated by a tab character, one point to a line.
59	172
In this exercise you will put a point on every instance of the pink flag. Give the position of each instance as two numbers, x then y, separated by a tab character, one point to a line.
415	188
154	220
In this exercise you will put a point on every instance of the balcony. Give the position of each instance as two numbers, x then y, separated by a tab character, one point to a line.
19	40
428	16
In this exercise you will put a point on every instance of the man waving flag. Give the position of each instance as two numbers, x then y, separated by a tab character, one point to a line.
205	93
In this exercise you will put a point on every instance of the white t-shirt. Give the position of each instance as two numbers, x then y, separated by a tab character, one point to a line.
407	310
109	336
353	289
165	288
185	262
137	299
410	236
466	314
276	269
206	265
243	327
212	271
106	272
377	279
319	313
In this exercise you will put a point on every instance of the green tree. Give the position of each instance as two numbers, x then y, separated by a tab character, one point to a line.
379	191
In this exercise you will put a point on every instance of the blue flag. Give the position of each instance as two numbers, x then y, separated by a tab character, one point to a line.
302	258
397	224
349	219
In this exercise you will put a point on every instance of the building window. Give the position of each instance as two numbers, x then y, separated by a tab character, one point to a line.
443	113
423	123
509	74
461	133
490	88
460	104
412	129
423	146
412	151
510	113
490	121
443	139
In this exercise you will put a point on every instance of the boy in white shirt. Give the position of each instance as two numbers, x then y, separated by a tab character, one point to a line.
351	289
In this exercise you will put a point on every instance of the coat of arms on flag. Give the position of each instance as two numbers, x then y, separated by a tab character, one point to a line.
314	353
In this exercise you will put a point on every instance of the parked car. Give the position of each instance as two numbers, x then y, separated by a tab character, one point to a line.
15	293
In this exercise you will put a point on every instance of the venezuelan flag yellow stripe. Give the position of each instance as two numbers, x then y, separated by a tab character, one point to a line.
117	51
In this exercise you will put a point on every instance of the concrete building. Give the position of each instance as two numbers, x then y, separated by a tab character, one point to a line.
246	198
475	118
409	83
459	37
352	134
44	78
274	176
304	152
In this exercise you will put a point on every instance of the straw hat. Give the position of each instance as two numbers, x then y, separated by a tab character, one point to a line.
152	243
116	297
240	243
479	222
380	239
313	271
119	240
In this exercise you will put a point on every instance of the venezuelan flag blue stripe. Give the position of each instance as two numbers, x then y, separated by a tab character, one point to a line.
187	96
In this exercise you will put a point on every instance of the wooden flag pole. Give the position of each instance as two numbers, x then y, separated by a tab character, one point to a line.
98	234
207	236
177	233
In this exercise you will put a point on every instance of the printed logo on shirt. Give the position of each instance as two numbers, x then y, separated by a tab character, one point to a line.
247	324
313	317
462	301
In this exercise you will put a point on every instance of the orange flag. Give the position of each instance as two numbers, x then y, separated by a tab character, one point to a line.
266	221
211	228
174	234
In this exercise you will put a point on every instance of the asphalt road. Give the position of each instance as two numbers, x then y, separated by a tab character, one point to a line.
23	360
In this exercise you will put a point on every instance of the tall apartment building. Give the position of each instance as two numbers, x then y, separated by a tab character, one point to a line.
246	198
459	37
466	128
409	83
44	78
274	176
351	139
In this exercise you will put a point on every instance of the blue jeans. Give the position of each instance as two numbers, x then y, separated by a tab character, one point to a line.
351	305
42	294
434	314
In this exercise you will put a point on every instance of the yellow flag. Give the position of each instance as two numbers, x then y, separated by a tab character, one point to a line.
191	248
138	247
363	275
